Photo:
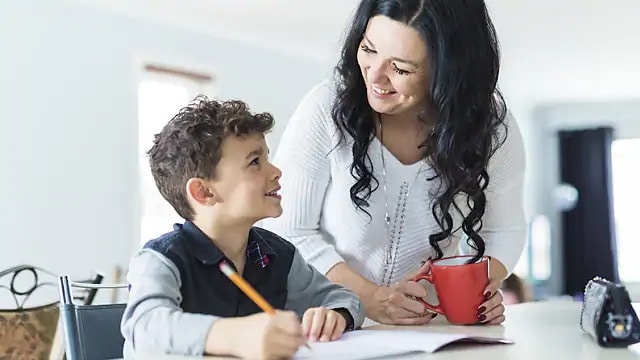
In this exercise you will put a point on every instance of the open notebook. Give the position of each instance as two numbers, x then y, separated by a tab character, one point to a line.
369	344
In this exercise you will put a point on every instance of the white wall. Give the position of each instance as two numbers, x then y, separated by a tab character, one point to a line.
68	130
623	116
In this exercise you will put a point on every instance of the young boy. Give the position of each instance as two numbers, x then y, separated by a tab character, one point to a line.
210	163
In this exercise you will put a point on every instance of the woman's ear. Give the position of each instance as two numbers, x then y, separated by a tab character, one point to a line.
199	191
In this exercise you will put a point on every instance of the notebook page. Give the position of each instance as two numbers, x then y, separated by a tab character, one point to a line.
369	344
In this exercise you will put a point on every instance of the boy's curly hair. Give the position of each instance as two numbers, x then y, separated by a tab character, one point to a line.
190	145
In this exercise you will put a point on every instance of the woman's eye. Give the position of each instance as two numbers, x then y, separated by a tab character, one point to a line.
367	49
400	71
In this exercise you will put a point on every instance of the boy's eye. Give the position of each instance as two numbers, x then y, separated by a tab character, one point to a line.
255	161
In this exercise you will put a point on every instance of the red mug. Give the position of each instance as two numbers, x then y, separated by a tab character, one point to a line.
459	286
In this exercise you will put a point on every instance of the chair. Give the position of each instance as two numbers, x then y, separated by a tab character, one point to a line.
31	331
90	331
85	295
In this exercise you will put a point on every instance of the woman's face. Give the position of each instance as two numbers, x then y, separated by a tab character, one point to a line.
394	65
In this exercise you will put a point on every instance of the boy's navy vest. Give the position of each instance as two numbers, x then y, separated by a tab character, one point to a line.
206	290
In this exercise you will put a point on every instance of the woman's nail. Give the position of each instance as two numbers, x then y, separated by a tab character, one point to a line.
481	318
481	310
487	295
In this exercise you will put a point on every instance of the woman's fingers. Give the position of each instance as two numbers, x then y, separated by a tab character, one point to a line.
499	320
412	288
422	320
492	288
425	268
492	308
412	305
491	314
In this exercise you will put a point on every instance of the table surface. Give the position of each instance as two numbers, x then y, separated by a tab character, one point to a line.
546	330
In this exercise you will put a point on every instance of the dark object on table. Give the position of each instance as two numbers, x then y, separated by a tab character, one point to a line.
607	314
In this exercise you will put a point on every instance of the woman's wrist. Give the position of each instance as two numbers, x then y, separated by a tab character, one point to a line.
497	271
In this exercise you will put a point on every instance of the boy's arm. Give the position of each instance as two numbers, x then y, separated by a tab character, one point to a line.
307	288
153	321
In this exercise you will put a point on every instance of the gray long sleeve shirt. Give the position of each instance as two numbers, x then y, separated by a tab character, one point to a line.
177	290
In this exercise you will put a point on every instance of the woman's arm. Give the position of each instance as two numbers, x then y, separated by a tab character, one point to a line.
303	156
503	224
343	275
497	271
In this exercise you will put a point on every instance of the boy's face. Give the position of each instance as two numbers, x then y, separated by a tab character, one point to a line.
246	183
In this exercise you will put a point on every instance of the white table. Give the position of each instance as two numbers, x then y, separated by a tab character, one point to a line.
544	330
547	330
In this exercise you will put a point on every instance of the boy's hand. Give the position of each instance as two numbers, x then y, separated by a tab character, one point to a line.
321	324
275	336
259	336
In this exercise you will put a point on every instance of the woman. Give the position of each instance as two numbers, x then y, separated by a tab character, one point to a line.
409	150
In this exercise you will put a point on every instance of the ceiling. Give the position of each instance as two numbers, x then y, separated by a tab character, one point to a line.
567	50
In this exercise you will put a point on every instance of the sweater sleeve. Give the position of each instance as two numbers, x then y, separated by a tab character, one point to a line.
303	157
153	322
504	226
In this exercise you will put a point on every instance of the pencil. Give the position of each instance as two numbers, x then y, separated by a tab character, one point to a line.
246	288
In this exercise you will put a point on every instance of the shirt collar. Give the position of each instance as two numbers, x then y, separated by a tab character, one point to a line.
258	250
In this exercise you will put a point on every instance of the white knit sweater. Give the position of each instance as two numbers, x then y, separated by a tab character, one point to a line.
322	222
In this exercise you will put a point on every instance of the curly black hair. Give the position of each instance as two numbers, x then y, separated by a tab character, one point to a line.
464	63
190	145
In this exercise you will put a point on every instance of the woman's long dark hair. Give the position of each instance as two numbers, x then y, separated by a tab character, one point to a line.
464	63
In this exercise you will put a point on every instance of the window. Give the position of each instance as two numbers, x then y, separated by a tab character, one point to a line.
162	92
624	162
535	262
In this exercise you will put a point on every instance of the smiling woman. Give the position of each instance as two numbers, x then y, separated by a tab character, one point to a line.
397	74
407	151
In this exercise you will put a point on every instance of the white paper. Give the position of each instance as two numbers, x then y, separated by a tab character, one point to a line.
369	344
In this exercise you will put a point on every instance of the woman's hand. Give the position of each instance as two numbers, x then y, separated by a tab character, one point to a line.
395	305
491	312
398	304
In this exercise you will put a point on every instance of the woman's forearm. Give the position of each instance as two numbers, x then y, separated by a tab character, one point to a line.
342	274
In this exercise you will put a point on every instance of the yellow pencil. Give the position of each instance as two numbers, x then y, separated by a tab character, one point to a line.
246	288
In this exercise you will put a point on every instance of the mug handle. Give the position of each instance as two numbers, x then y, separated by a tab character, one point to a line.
428	277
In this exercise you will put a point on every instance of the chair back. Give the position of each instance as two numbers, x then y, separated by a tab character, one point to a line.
28	331
90	331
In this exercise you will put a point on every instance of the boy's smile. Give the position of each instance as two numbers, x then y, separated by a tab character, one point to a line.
274	193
